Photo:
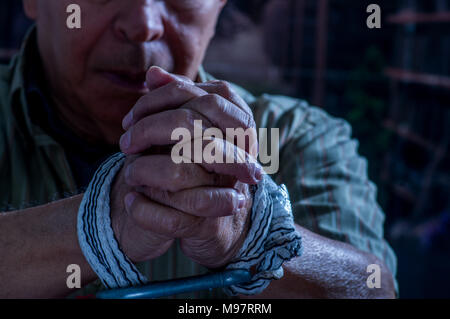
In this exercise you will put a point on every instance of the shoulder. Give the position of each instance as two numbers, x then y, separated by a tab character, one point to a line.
294	117
298	120
262	102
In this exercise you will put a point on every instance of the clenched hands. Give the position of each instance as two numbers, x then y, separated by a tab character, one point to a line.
205	205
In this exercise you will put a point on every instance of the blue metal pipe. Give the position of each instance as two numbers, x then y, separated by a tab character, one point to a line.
179	286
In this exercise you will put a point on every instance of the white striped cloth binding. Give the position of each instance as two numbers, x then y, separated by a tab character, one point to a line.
272	238
95	234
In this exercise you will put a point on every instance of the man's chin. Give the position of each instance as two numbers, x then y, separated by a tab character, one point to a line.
111	85
124	83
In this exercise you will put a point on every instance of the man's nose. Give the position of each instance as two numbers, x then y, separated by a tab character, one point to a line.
140	21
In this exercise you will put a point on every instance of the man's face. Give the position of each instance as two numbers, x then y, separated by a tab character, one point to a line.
100	68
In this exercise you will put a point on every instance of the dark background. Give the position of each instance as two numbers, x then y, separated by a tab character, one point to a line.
392	84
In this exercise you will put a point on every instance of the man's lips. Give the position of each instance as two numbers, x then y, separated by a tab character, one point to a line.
134	81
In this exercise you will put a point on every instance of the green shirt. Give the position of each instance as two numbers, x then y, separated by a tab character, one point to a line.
327	180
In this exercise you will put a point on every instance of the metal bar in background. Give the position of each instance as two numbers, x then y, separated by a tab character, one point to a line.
407	17
321	53
298	41
417	77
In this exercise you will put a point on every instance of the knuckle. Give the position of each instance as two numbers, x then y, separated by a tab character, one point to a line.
250	121
212	99
184	118
176	172
224	87
138	132
178	85
229	203
174	225
138	213
201	202
244	171
184	88
187	174
176	177
225	203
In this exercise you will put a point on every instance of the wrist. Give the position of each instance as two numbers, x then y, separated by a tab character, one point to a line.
272	239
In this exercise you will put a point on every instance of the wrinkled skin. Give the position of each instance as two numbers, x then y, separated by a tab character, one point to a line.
205	205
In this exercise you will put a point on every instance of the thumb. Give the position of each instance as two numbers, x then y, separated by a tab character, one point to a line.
157	77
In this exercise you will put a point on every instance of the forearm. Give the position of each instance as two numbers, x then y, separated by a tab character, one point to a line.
36	246
329	269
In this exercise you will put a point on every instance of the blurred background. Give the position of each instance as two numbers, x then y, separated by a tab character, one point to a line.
392	84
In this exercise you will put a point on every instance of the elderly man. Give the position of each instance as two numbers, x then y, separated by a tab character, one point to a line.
128	78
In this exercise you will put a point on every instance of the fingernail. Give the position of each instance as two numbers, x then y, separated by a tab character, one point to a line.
241	200
157	68
126	123
125	141
129	199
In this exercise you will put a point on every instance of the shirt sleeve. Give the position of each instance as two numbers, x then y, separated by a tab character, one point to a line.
327	180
